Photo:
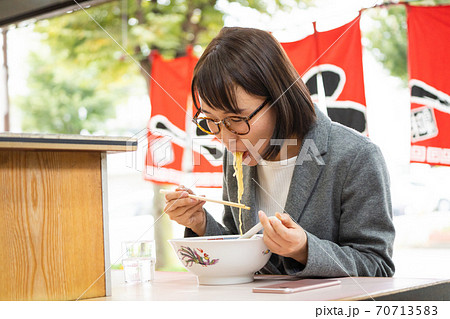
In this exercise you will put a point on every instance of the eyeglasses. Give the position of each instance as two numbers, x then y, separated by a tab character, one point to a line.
235	124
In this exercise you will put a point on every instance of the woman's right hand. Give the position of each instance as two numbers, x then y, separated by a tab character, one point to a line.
186	211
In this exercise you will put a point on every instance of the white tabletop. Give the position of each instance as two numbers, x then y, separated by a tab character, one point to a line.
180	286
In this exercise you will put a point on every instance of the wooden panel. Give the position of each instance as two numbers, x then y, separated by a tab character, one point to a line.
51	226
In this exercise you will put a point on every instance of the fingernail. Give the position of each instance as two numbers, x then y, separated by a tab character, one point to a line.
274	219
193	200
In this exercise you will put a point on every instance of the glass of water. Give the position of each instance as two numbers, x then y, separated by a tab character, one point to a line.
139	258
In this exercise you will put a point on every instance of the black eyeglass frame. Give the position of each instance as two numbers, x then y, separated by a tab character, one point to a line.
226	120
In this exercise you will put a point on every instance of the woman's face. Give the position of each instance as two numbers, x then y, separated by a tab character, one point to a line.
262	125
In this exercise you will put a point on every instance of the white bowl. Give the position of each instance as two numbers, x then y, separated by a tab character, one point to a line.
222	260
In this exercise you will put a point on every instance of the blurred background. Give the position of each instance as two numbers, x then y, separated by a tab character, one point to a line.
69	74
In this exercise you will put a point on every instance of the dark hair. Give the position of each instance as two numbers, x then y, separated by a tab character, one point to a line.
254	60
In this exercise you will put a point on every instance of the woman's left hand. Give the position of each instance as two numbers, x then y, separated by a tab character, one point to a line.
284	237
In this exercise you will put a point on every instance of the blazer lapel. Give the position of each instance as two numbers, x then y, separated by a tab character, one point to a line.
302	185
249	217
309	165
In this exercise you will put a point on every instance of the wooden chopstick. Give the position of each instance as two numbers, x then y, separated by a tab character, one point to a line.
165	191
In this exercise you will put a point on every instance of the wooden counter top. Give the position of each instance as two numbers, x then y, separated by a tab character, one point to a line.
67	142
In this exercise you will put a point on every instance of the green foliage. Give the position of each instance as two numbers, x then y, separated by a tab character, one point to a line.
388	39
61	102
116	267
167	26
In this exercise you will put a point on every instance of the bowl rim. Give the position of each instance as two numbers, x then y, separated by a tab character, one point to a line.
208	239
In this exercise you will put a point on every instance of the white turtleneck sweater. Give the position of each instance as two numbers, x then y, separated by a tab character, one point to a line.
274	178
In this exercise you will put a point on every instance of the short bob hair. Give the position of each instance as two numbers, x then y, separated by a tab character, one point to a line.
254	60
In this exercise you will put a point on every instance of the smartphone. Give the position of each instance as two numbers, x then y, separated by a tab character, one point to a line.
290	287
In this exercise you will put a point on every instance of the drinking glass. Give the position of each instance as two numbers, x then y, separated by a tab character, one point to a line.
139	258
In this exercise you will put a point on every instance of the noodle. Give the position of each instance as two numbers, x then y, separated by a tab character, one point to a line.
237	164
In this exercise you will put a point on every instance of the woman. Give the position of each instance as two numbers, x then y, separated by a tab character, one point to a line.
327	184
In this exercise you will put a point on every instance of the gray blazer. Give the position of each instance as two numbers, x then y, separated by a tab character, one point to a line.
339	194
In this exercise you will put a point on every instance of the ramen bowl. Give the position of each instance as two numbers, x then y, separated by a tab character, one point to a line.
222	260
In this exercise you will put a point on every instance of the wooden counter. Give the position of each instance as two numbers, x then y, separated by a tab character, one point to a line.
181	286
53	215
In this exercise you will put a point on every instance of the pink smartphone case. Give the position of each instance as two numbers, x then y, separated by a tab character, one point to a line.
297	286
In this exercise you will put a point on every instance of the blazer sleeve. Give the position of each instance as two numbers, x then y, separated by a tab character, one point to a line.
366	232
214	228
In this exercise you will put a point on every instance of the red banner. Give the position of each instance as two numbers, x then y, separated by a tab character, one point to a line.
336	57
429	69
178	152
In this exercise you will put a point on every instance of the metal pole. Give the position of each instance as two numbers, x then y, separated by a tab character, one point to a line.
4	74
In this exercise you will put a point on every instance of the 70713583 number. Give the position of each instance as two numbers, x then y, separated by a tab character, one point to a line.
407	310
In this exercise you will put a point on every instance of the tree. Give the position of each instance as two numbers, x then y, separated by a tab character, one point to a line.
168	26
57	103
388	40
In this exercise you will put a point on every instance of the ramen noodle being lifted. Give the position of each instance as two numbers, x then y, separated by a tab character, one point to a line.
237	164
